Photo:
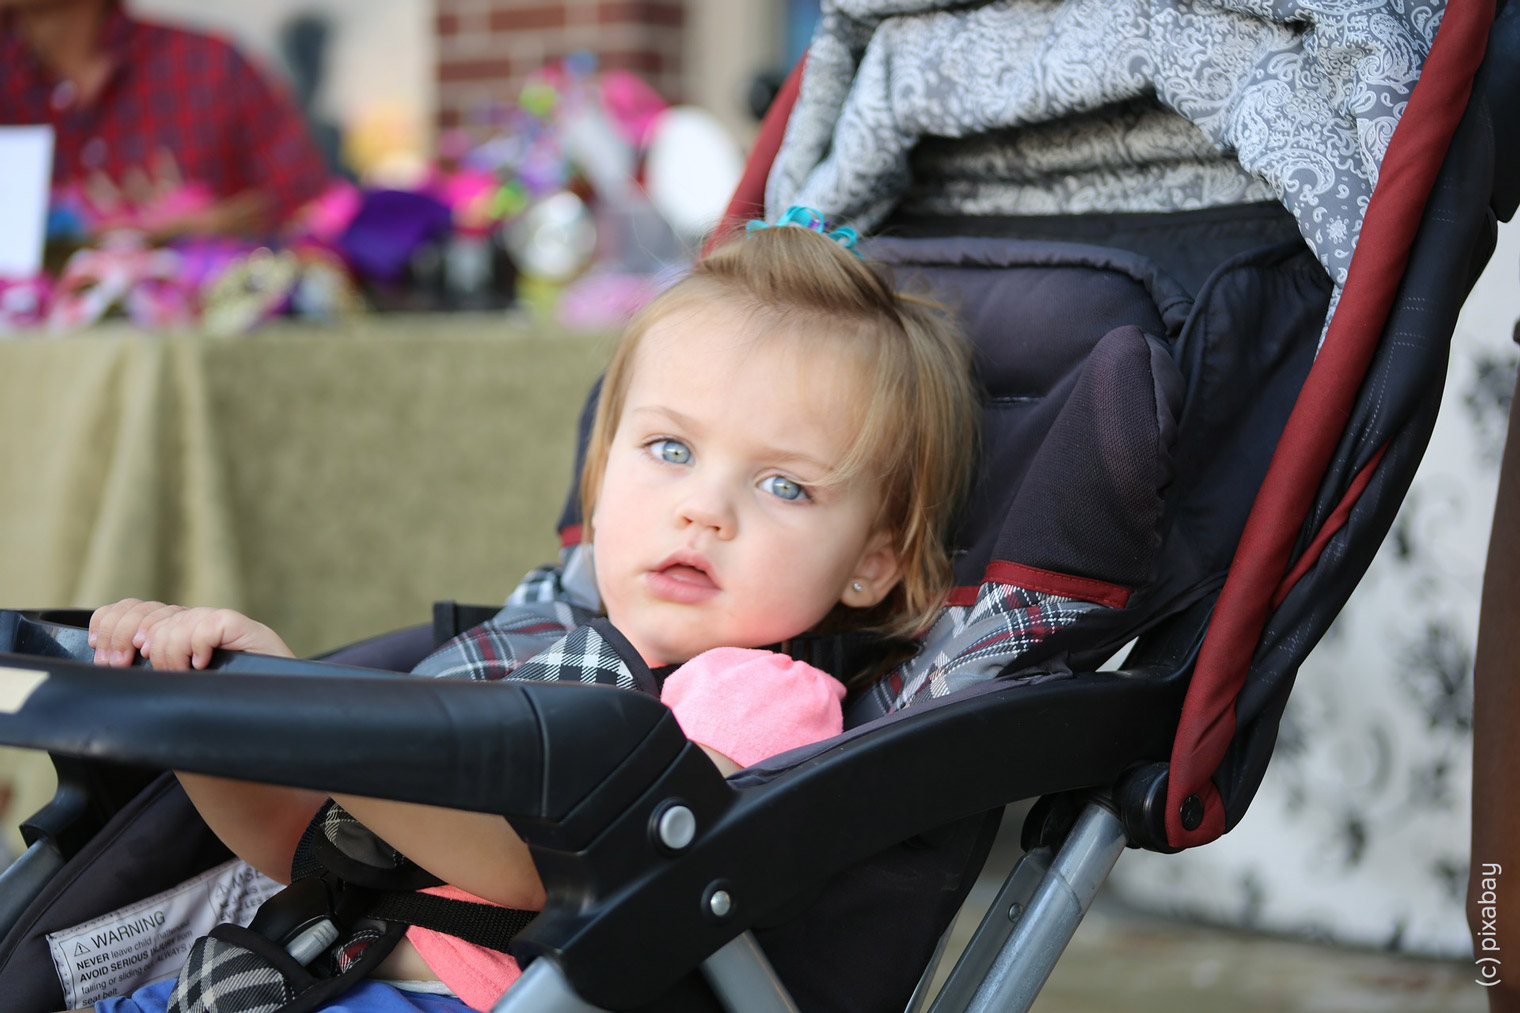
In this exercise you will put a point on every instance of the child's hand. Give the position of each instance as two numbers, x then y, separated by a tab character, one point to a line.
174	637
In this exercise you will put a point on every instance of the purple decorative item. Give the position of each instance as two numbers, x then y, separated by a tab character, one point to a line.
204	258
387	231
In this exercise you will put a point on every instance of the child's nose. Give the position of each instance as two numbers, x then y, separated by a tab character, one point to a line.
707	507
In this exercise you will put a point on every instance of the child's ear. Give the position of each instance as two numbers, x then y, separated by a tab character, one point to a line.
876	574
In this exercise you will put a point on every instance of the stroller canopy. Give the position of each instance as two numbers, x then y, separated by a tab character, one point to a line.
1221	102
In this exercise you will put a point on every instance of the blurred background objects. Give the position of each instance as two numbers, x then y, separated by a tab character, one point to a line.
549	157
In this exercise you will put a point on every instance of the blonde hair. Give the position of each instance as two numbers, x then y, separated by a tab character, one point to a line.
918	427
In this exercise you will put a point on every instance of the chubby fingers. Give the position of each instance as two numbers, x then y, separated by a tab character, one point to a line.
117	631
186	638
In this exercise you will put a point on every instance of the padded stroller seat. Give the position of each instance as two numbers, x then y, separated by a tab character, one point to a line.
1057	566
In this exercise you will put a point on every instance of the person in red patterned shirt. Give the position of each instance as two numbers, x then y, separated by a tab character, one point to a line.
142	110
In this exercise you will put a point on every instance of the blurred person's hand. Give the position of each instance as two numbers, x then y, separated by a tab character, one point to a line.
156	200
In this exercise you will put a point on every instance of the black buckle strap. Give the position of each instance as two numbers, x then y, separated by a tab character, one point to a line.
475	922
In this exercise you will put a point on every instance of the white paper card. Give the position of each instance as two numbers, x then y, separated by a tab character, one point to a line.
146	941
26	170
17	686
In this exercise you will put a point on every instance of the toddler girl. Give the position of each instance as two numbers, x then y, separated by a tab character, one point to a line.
779	445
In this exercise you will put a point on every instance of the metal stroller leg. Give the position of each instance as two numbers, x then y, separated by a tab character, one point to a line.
1034	917
738	973
744	980
543	989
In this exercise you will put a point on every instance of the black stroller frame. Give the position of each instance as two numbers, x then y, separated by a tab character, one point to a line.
636	835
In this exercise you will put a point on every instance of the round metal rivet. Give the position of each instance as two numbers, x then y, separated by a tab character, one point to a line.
677	827
1014	911
1192	812
720	903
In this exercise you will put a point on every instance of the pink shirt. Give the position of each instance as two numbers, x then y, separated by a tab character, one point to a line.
746	704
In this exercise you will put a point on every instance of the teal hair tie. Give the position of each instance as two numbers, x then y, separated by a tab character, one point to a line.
809	218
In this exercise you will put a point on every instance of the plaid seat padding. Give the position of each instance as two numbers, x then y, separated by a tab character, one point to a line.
543	609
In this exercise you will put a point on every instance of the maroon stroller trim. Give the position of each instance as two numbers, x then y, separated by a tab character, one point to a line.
1333	523
1001	571
1319	417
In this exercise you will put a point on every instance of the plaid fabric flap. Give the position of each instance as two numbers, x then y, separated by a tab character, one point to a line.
971	644
223	977
587	656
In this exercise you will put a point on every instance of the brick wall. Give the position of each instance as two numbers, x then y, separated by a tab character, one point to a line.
487	48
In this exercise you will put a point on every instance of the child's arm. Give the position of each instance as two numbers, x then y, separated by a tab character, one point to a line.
260	823
263	823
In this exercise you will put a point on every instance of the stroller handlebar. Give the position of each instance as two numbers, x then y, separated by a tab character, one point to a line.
311	724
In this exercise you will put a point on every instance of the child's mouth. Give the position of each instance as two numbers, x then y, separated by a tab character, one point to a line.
681	582
687	574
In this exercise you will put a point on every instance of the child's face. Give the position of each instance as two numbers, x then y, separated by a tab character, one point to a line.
711	526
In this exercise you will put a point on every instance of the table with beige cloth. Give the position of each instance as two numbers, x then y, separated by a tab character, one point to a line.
331	481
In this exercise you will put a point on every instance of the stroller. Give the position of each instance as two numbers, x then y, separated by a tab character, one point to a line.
1199	423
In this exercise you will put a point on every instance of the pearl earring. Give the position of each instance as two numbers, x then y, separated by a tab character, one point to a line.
857	587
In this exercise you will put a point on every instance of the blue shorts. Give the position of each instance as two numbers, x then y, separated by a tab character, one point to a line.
365	997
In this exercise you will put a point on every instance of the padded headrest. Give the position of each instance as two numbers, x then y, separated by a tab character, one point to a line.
1072	349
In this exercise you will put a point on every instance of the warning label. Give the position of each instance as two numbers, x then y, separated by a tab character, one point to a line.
146	941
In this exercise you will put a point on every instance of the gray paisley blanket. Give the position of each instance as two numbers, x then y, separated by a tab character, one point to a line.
1066	106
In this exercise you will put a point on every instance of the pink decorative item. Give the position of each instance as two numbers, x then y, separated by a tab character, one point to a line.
105	209
147	283
604	301
160	300
23	303
632	105
171	210
471	197
93	281
326	216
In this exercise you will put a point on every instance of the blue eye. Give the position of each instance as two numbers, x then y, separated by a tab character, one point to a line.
783	488
670	451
